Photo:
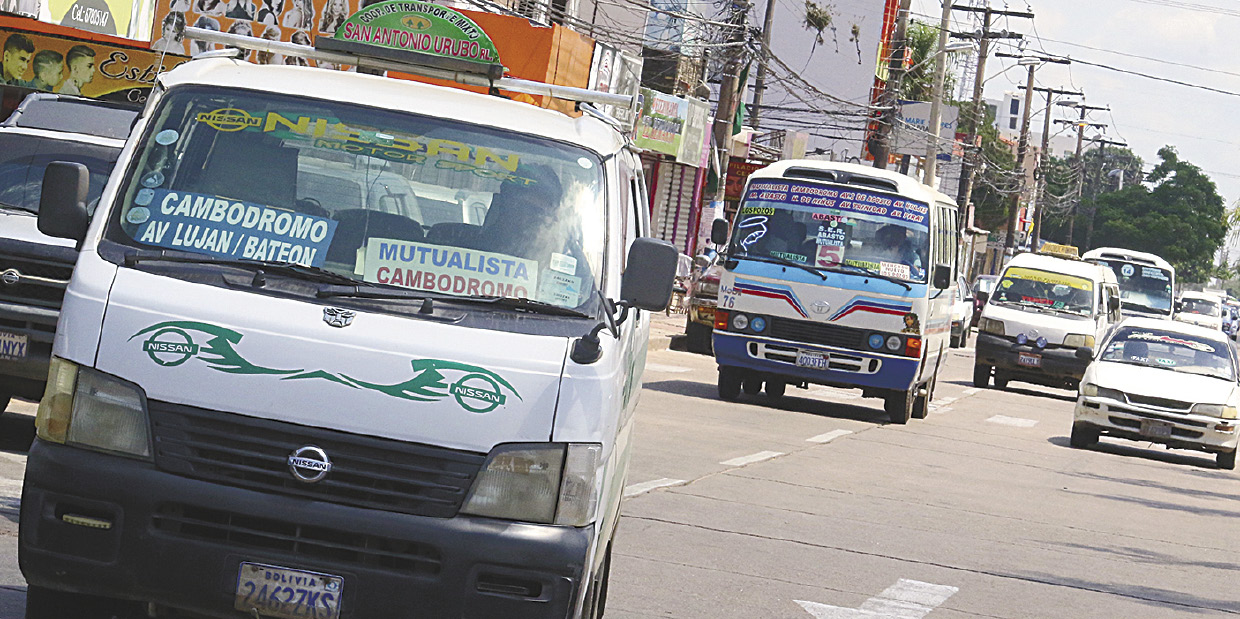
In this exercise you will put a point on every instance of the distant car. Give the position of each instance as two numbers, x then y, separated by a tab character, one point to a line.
962	314
1164	382
982	287
1200	308
703	295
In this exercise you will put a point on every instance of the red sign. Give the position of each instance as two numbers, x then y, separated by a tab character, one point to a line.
738	174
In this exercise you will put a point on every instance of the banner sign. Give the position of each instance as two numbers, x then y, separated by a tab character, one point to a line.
112	17
228	229
25	8
661	123
419	27
293	21
738	175
697	120
612	70
838	199
439	268
912	135
84	68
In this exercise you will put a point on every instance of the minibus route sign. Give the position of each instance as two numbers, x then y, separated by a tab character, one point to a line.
419	27
818	196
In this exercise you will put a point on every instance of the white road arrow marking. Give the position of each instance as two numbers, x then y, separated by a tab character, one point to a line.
907	599
647	486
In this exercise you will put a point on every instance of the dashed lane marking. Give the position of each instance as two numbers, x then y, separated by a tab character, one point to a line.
671	369
972	390
751	458
647	486
1016	422
829	436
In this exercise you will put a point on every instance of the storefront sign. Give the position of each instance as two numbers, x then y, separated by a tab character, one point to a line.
25	8
83	68
912	134
612	70
419	27
738	175
102	16
294	21
673	126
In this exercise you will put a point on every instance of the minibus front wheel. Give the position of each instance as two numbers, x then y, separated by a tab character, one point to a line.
730	382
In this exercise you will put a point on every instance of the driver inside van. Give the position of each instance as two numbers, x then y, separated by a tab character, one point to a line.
891	244
522	216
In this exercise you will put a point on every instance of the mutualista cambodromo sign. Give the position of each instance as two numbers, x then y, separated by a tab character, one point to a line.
420	27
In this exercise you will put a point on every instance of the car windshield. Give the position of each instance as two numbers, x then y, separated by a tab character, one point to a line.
1203	307
1149	287
24	157
829	227
1174	351
374	195
1057	291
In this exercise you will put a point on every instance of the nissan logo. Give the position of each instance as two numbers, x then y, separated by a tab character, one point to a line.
10	277
309	464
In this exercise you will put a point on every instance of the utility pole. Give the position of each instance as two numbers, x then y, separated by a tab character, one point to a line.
1093	209
968	168
759	85
1044	158
1081	124
881	149
726	110
1009	242
936	99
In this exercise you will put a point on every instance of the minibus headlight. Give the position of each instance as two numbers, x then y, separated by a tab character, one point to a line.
544	483
740	321
1076	341
1215	410
91	409
757	324
990	325
893	343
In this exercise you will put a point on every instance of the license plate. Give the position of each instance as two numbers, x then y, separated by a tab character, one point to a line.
287	593
1028	360
1156	429
815	360
12	345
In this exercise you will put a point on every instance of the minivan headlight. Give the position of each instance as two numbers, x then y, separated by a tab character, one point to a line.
1076	341
1215	410
88	408
990	325
547	483
1094	391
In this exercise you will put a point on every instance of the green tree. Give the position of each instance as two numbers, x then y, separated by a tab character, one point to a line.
1181	218
995	179
918	83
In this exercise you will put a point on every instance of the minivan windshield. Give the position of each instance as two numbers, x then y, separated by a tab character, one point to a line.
1170	350
24	157
829	227
1144	286
1203	307
382	197
1045	289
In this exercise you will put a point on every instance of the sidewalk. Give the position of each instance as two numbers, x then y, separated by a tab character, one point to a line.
667	331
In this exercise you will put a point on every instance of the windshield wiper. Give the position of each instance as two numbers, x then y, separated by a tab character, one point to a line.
366	291
285	268
869	272
784	262
529	305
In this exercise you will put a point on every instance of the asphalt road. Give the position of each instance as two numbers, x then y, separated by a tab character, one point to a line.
819	509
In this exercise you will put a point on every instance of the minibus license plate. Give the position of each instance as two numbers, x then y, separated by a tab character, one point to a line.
12	345
815	360
1157	429
1028	360
287	593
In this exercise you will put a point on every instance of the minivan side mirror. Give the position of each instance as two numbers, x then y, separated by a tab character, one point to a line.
62	205
649	274
942	276
1085	353
719	232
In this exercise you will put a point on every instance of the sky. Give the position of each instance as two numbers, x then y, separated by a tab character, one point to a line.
1192	41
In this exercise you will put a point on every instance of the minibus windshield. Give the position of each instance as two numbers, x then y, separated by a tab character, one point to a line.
1045	289
1146	287
828	227
378	196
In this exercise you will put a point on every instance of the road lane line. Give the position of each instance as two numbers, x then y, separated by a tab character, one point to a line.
671	369
647	486
907	599
750	459
1016	422
972	390
941	402
14	458
828	437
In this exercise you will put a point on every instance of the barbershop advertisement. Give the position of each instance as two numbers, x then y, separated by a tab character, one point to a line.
77	67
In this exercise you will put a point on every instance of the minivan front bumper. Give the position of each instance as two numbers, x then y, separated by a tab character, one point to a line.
179	543
1128	421
1058	367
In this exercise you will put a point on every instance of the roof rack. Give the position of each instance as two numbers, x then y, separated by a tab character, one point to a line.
392	63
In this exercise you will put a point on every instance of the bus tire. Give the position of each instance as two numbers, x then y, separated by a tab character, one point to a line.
899	405
729	383
752	385
981	376
775	389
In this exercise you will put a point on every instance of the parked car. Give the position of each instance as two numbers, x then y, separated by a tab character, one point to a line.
1164	382
962	314
703	295
982	287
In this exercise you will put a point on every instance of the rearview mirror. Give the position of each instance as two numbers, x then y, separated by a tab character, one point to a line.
62	204
719	232
649	274
942	276
1085	353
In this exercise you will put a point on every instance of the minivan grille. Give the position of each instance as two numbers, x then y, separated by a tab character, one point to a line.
39	281
816	333
1159	402
368	472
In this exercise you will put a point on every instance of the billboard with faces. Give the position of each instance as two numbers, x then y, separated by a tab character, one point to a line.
294	21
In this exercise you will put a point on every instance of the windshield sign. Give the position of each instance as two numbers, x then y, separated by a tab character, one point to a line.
1174	351
826	227
377	196
1058	291
1144	286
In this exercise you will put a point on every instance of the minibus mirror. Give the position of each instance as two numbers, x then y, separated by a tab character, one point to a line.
62	204
719	232
1085	353
942	276
649	274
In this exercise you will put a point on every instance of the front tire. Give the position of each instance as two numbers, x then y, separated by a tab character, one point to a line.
899	405
981	376
729	383
1084	435
698	338
1227	461
921	406
1001	380
752	385
775	389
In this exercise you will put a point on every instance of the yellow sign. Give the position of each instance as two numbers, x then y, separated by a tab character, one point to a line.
1046	277
1062	251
